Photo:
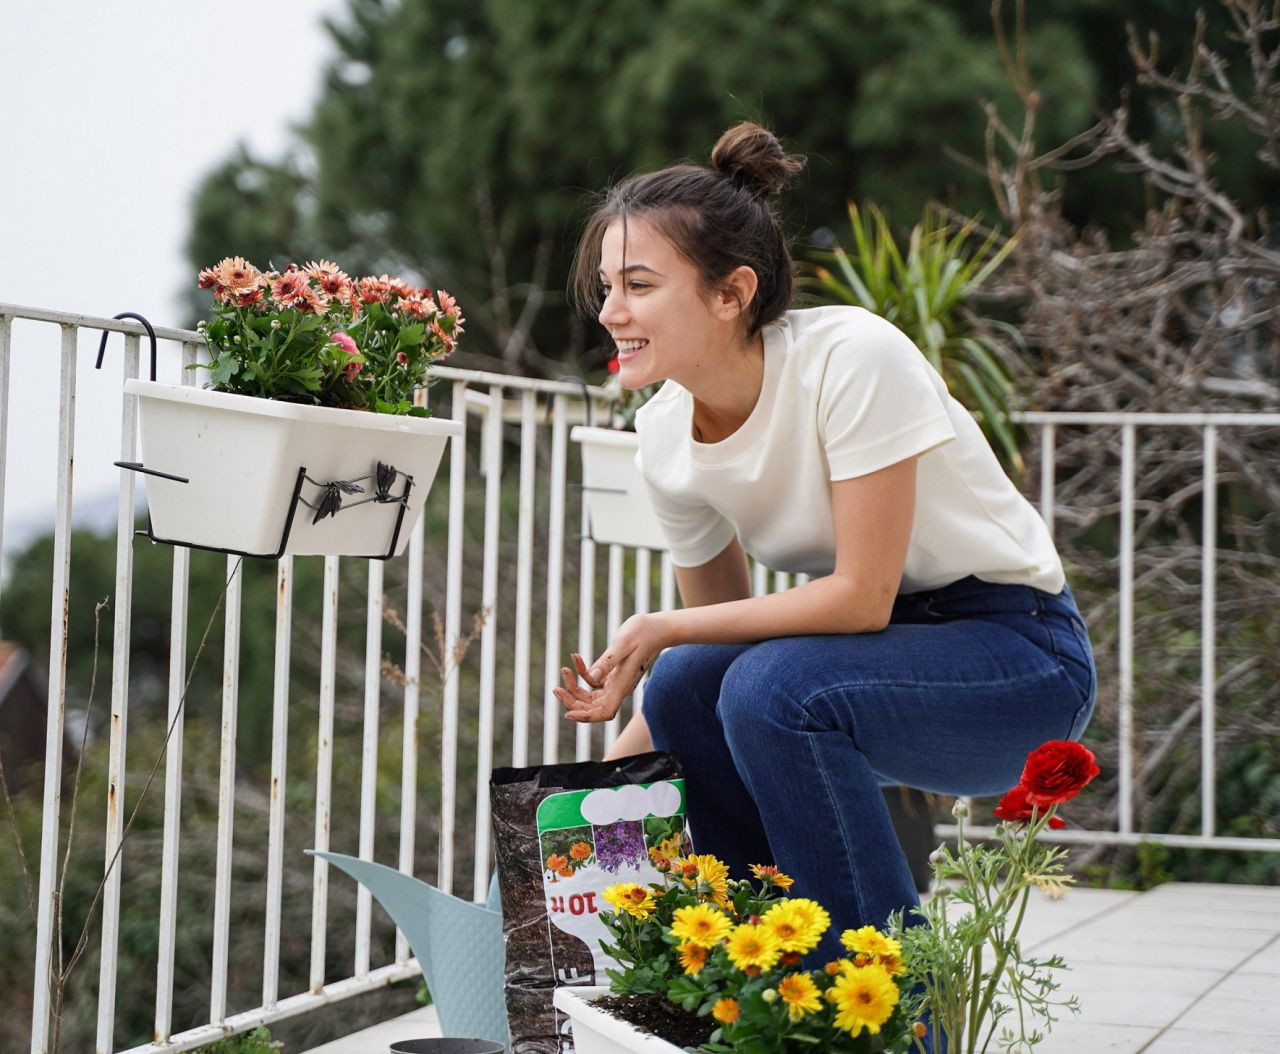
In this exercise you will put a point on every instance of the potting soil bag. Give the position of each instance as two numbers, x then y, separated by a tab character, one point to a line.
563	834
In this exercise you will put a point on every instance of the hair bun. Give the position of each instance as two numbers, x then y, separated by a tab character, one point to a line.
754	159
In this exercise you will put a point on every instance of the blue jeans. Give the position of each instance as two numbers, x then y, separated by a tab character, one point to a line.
787	742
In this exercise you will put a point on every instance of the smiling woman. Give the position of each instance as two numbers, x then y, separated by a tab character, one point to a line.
936	642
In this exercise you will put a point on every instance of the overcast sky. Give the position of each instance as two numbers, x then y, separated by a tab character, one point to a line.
112	114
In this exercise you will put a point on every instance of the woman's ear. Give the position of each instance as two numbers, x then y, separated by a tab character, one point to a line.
736	293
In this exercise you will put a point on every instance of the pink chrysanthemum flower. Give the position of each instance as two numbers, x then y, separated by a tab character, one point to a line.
447	339
399	287
329	277
373	290
249	297
208	279
311	301
237	275
416	306
289	287
402	357
449	305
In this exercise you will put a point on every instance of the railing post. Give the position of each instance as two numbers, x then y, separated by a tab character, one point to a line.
1208	633
1125	732
46	912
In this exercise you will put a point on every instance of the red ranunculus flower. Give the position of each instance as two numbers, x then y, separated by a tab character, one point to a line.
1014	806
1056	772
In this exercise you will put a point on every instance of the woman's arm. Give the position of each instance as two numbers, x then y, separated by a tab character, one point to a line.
721	579
872	518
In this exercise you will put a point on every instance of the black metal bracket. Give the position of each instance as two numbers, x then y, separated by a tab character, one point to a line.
330	503
151	333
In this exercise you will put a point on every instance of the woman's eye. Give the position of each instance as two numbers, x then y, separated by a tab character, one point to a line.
604	291
638	285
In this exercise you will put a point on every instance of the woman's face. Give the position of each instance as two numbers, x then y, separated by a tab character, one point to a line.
657	315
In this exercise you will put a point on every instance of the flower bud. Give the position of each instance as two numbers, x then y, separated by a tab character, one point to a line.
918	1029
832	968
959	810
938	856
769	995
275	323
236	340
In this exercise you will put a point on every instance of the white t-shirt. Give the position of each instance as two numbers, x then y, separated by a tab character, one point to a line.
845	393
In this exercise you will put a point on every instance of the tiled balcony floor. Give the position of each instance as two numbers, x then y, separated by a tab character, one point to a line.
1180	969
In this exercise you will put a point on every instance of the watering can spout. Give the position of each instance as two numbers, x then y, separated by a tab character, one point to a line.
458	944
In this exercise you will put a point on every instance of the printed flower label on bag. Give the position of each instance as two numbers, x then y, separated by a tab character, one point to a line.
594	839
568	838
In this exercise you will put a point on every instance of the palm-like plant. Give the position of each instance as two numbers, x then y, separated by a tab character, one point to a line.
926	293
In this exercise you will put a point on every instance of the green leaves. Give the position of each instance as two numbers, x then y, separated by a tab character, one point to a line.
927	293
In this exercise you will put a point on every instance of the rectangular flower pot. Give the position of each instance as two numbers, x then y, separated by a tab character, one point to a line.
618	505
241	458
598	1032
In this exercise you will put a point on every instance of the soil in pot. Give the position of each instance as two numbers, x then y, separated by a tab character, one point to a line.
658	1016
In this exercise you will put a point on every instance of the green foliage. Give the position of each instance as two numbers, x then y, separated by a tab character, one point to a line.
459	140
258	1041
965	963
926	292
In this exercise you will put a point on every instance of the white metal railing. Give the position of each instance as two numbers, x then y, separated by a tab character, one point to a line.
524	611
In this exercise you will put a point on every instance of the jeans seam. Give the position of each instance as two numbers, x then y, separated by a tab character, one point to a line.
812	740
846	685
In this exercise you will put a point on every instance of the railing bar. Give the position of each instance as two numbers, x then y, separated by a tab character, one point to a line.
759	579
452	636
6	336
96	322
553	660
292	1006
582	731
324	769
613	619
801	579
1208	636
57	696
667	591
1048	468
506	380
643	566
1174	841
1125	732
488	637
781	581
279	770
412	699
167	940
524	579
226	795
113	854
369	757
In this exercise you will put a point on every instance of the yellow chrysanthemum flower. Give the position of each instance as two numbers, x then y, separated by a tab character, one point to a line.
634	899
700	924
869	946
864	998
713	877
796	924
771	876
752	945
693	957
725	1011
800	994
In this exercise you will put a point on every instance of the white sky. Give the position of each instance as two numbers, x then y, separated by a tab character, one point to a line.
112	114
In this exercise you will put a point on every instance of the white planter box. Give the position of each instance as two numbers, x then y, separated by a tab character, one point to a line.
241	458
618	504
596	1032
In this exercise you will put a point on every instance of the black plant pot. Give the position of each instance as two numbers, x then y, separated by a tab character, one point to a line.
913	823
447	1046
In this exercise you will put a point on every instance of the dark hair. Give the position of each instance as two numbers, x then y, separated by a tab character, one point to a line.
717	217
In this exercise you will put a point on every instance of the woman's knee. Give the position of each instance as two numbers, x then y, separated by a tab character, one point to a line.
758	687
684	678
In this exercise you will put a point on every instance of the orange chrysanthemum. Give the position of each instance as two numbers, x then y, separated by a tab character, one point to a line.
580	850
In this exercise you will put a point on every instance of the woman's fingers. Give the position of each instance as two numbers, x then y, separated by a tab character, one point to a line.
580	663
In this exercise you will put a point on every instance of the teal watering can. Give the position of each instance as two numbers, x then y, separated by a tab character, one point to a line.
458	944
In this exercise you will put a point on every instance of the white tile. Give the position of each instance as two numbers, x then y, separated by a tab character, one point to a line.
419	1024
1129	1006
1079	1037
1080	952
1231	1014
1266	961
1123	929
1209	1041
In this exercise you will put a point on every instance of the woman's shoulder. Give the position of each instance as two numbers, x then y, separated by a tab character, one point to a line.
821	328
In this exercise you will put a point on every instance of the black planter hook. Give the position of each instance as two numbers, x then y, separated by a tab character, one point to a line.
151	333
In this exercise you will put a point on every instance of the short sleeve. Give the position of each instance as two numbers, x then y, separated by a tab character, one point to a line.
879	403
695	532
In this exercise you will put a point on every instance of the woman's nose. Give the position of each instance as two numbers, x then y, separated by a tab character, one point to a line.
614	308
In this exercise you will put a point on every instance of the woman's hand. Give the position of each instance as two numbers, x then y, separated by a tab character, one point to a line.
613	676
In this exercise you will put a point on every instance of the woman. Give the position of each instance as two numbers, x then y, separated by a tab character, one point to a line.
936	643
